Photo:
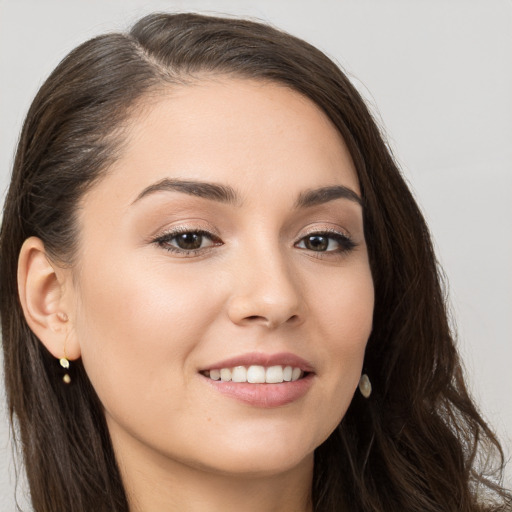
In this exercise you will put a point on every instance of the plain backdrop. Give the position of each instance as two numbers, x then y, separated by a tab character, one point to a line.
438	74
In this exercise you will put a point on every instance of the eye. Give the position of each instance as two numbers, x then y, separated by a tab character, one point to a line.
326	242
187	241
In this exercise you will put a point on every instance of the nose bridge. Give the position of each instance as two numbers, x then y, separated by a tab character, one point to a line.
266	287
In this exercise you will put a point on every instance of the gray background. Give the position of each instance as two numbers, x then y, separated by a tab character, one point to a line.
440	72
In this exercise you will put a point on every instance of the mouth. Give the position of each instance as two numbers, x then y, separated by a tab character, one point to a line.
261	380
256	374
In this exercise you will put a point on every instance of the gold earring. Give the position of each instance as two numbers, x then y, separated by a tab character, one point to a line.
365	386
64	361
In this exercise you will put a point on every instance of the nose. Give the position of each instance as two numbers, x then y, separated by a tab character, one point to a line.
266	292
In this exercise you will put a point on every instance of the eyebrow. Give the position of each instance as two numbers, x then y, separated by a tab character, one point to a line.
323	195
226	194
213	191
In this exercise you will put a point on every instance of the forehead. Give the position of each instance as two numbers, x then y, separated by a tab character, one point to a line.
240	132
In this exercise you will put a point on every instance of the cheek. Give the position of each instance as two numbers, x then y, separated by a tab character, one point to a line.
345	308
139	326
345	313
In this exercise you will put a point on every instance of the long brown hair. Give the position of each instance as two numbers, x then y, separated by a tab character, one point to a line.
418	443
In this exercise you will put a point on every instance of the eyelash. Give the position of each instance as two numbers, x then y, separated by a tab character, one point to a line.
346	244
165	239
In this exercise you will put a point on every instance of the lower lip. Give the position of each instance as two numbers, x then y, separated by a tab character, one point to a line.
264	395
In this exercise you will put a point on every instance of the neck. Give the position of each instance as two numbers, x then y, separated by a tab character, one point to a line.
163	485
209	493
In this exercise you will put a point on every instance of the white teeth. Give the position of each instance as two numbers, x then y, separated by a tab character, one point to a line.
215	374
239	374
274	374
225	374
296	374
256	374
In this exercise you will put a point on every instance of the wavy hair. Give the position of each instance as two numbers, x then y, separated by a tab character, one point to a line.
418	444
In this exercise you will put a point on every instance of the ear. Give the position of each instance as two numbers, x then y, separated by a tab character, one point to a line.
42	288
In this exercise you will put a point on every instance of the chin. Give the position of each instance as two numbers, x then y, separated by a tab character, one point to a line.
259	465
262	455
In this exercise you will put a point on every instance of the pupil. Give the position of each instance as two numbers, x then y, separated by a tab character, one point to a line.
189	241
317	243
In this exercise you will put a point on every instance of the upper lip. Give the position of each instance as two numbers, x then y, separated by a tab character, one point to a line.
262	359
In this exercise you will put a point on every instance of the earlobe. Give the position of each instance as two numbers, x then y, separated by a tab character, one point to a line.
41	288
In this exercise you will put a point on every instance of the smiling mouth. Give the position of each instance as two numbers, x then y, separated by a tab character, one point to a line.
256	374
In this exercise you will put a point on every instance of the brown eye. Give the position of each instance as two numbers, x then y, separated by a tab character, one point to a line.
189	241
326	242
316	243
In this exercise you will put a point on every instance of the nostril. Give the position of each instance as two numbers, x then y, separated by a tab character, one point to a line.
294	319
269	322
254	310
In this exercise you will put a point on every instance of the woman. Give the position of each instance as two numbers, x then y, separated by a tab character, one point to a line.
206	249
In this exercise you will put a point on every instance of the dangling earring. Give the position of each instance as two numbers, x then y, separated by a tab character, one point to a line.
64	362
365	386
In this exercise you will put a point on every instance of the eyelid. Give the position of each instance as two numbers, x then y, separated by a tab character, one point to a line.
189	226
324	229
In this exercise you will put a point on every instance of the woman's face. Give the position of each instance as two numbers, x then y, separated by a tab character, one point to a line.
228	234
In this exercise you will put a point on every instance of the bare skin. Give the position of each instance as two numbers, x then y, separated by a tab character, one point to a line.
280	272
213	492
